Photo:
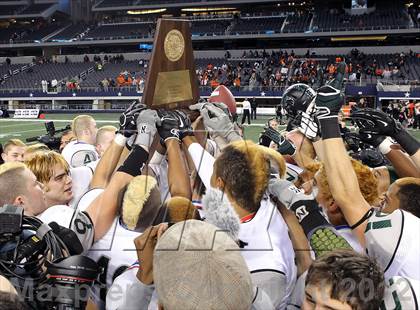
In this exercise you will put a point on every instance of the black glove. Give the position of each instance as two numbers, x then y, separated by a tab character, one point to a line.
272	134
128	119
185	128
329	99
284	146
371	139
352	140
375	122
169	127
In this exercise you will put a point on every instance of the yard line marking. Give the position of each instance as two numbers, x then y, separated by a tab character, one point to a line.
10	135
31	130
14	125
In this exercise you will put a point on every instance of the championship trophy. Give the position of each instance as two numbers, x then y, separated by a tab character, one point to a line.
171	81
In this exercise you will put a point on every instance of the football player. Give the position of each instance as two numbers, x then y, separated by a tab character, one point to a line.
13	150
82	151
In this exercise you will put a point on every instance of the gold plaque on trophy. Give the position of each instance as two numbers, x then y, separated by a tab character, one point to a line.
171	81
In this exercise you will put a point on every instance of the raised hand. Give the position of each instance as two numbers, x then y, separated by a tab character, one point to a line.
218	123
375	122
329	99
146	127
185	128
284	146
170	124
128	119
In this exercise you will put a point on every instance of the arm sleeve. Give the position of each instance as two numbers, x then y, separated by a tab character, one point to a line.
203	162
128	293
82	225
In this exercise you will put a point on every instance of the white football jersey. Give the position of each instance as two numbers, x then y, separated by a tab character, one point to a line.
161	175
394	241
117	294
77	221
79	153
114	252
81	177
267	244
401	293
346	232
292	172
93	164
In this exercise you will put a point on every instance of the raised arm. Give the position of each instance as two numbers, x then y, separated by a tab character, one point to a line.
172	129
110	160
103	209
321	235
342	179
375	126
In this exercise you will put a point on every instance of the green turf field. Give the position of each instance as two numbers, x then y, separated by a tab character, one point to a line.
22	129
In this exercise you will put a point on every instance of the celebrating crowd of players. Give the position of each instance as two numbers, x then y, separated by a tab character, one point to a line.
191	215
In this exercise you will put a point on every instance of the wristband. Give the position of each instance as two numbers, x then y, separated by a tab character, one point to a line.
364	218
135	161
130	141
120	139
407	142
157	158
308	215
385	146
330	128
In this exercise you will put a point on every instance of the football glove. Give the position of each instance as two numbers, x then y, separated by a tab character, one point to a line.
329	99
284	146
146	127
184	121
309	126
375	122
169	127
128	119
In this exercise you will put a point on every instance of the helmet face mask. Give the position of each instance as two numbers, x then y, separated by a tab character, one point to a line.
297	98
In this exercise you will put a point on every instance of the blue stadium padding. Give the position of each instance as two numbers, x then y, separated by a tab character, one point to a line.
351	90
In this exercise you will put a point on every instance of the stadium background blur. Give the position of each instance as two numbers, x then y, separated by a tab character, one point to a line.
91	57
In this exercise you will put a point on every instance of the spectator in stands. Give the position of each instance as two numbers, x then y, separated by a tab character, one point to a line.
395	71
13	150
105	84
98	66
352	77
44	85
387	73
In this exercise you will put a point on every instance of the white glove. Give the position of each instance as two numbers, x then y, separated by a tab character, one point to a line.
146	127
287	193
308	126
